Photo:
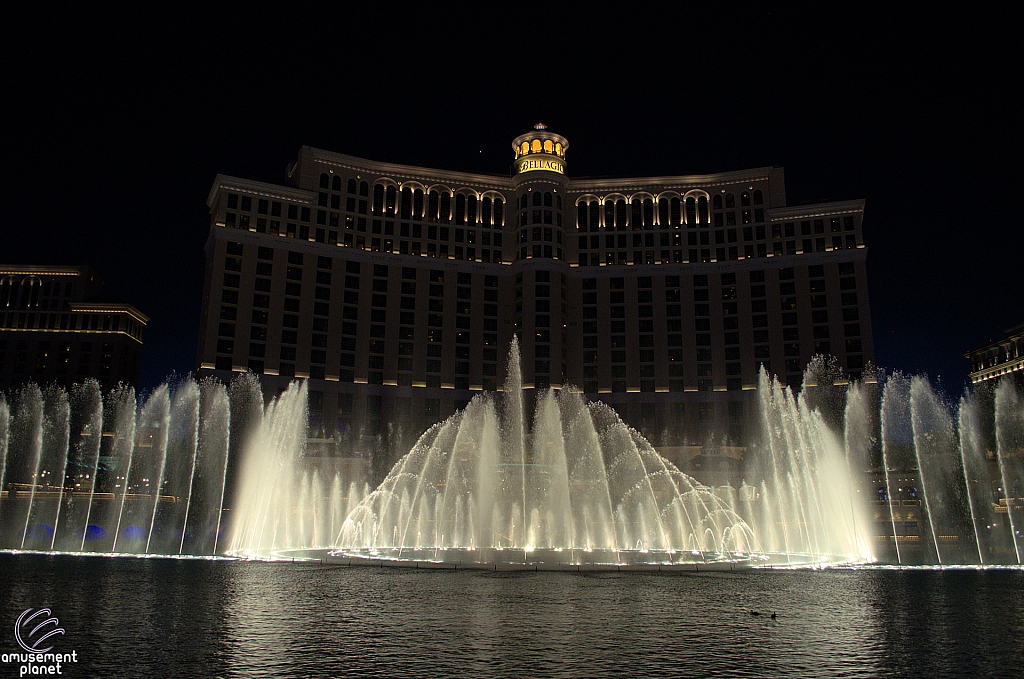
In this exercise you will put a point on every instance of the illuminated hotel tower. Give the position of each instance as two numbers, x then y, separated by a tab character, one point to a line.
396	290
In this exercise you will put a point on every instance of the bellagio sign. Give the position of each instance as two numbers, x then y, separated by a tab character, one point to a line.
541	163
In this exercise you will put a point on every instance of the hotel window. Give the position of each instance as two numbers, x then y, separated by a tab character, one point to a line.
691	212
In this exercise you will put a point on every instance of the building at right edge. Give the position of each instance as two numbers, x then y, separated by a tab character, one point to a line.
661	296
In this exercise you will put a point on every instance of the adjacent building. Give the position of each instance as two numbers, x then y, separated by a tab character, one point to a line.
54	329
999	357
397	290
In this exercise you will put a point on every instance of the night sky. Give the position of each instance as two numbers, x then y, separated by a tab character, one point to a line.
116	126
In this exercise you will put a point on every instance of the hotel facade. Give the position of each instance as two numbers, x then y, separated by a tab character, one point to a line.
397	290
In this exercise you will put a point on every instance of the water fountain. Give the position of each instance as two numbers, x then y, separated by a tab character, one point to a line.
579	486
198	469
91	475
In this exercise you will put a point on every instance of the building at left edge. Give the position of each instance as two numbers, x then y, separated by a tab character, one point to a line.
54	329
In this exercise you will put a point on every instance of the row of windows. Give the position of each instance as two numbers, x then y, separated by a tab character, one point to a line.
705	255
540	199
540	216
538	146
639	213
32	292
408	202
47	358
727	201
72	322
264	267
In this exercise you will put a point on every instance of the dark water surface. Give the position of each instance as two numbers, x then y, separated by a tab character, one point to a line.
167	618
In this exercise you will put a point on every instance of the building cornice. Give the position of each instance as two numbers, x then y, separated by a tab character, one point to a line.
38	270
704	181
109	307
256	188
424	175
816	210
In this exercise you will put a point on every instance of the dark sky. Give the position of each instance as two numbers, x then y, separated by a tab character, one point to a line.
117	124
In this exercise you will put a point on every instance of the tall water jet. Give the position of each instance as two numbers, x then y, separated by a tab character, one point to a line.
941	475
267	513
5	418
174	489
992	535
897	455
112	470
201	530
806	473
145	470
1009	416
85	437
860	443
24	448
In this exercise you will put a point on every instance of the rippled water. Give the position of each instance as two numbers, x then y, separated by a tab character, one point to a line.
154	617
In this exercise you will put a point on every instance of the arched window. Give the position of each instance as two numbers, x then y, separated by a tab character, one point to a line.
581	217
637	216
336	183
499	216
674	212
471	210
702	210
548	146
609	215
432	205
594	214
620	214
364	189
389	200
460	209
663	212
30	288
558	148
691	211
406	207
536	199
7	298
445	213
535	146
716	202
524	201
730	201
558	201
351	185
417	204
547	199
648	213
378	198
758	197
745	199
325	181
485	211
525	148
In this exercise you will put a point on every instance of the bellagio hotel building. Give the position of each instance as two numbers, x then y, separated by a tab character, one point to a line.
397	290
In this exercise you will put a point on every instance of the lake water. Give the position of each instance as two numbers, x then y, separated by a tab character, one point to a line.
129	617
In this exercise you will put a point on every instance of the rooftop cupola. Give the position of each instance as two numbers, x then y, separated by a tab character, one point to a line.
540	150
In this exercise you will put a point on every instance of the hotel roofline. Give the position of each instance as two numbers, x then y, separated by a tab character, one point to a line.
578	186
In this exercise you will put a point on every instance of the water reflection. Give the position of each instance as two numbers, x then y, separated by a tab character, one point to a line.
154	617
